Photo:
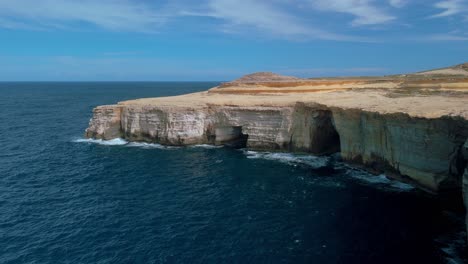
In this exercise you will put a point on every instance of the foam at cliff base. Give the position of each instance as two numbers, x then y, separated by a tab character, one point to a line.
379	181
123	142
288	158
150	145
205	146
112	142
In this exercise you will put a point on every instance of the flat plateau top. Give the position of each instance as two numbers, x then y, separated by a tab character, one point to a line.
426	94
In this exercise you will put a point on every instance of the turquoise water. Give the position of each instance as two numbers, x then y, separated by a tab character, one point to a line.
64	199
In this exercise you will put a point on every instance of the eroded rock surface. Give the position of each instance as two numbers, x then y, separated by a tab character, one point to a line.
105	123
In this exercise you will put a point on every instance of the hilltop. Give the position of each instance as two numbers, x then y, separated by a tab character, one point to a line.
265	77
457	70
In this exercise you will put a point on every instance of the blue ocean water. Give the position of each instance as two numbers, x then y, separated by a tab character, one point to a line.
64	199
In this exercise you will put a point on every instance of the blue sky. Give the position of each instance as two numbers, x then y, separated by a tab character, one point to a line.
142	40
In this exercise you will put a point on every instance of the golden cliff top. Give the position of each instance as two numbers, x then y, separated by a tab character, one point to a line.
429	94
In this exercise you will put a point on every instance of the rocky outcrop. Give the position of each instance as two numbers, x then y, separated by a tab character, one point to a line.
105	123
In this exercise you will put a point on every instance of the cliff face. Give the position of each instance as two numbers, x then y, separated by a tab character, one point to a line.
105	123
427	151
165	125
269	128
465	180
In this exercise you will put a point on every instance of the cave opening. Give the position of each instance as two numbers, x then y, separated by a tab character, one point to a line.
230	136
325	138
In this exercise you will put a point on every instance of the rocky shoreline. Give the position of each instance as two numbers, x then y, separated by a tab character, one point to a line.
414	127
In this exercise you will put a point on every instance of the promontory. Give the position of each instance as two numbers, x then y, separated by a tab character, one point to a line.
412	127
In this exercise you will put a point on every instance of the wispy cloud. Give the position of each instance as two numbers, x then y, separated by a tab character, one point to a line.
447	37
251	16
259	14
451	7
265	17
364	11
398	3
290	20
118	15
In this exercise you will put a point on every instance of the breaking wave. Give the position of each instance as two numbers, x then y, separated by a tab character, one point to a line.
150	145
205	146
123	142
315	162
288	158
112	142
379	180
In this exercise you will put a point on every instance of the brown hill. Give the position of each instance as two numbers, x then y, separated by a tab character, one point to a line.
457	70
265	77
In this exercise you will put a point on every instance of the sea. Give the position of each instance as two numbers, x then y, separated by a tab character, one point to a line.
67	199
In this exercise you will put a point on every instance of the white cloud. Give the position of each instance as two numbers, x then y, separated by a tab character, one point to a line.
451	7
365	12
260	17
119	15
447	37
257	13
397	3
264	16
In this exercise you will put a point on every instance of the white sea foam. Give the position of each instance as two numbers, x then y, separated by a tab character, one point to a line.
123	142
288	158
380	181
149	145
112	142
205	146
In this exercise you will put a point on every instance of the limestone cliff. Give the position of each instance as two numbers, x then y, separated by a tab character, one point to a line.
297	128
424	150
412	127
105	123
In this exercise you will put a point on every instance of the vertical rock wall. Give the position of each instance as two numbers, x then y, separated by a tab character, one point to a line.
181	126
465	180
105	123
426	151
422	149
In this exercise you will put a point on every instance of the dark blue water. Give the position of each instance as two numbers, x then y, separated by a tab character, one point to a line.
65	201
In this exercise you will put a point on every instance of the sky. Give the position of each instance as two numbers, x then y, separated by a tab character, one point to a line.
219	40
